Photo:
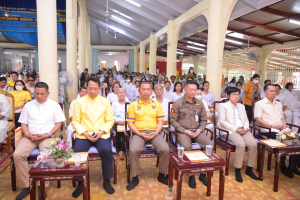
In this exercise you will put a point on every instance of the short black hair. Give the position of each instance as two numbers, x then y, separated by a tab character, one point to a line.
173	76
86	69
145	82
232	90
192	82
16	73
265	82
31	76
266	86
255	76
3	79
226	89
167	82
113	85
25	89
94	79
82	88
205	82
288	85
42	85
176	85
202	89
277	85
238	83
190	78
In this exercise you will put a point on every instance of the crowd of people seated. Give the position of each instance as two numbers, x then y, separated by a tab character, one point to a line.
100	107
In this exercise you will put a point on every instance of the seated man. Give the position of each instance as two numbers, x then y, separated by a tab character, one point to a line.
188	117
145	120
93	118
233	117
40	120
70	130
4	113
14	77
288	115
268	113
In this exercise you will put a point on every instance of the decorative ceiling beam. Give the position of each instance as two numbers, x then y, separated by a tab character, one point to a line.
268	27
185	44
254	35
281	13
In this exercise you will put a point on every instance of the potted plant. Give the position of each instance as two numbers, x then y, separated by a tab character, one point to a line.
287	135
60	150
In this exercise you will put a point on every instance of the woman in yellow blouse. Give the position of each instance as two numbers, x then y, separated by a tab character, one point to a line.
191	74
21	96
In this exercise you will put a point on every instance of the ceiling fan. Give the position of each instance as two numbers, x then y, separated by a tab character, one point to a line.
7	15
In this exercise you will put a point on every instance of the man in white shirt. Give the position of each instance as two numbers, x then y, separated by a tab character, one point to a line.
40	120
262	95
4	113
70	130
181	79
288	115
173	81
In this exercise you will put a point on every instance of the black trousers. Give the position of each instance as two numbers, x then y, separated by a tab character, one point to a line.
249	113
104	148
120	139
17	116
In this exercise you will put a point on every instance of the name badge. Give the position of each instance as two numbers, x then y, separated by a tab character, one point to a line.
196	118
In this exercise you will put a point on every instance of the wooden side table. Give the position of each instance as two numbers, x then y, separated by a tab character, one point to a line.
44	173
184	165
289	150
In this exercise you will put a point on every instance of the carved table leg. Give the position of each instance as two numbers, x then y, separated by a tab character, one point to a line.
32	189
262	158
42	187
222	183
84	188
291	166
208	191
170	173
179	185
276	174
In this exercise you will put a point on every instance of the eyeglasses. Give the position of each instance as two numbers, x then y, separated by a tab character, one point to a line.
235	95
31	80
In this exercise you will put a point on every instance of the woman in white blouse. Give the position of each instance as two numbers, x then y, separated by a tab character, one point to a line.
130	91
233	117
289	90
119	113
208	96
177	93
159	90
112	97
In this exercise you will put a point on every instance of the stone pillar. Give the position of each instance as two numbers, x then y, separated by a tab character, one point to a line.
196	65
47	37
260	67
152	57
135	66
131	61
94	52
71	26
172	49
81	36
142	57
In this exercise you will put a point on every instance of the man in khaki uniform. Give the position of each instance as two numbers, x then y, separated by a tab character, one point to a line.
145	120
188	117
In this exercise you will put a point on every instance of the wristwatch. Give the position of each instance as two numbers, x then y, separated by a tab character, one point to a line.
50	135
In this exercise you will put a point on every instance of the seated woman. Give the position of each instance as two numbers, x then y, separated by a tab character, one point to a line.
30	85
233	118
113	96
119	113
208	96
159	90
3	86
177	93
21	96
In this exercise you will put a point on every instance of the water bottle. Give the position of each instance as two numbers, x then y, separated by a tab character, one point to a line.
169	194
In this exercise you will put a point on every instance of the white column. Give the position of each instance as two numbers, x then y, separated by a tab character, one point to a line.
135	65
260	67
88	46
142	57
196	60
71	27
81	36
152	57
171	50
47	36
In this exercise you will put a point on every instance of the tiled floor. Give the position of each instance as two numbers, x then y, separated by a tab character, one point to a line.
150	188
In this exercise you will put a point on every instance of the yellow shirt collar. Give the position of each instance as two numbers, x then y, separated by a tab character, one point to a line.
141	102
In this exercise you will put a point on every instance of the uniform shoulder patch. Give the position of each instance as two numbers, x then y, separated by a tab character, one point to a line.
173	110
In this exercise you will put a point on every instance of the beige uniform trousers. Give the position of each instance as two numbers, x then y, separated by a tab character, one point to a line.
136	147
23	150
240	142
186	141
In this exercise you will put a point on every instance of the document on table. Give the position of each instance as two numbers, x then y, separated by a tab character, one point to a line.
273	143
83	158
196	156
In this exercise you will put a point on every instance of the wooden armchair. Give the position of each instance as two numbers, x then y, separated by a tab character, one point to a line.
173	136
227	145
148	152
260	136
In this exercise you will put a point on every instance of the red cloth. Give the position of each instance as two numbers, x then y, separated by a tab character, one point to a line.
162	66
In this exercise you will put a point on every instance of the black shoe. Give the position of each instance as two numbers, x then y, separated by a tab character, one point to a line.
192	182
238	175
39	193
107	186
203	179
77	192
250	173
23	194
161	178
296	170
135	181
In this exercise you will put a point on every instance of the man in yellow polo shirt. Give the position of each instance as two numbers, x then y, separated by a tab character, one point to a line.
14	77
145	120
93	117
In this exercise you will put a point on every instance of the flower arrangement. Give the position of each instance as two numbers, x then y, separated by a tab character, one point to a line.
60	149
288	134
